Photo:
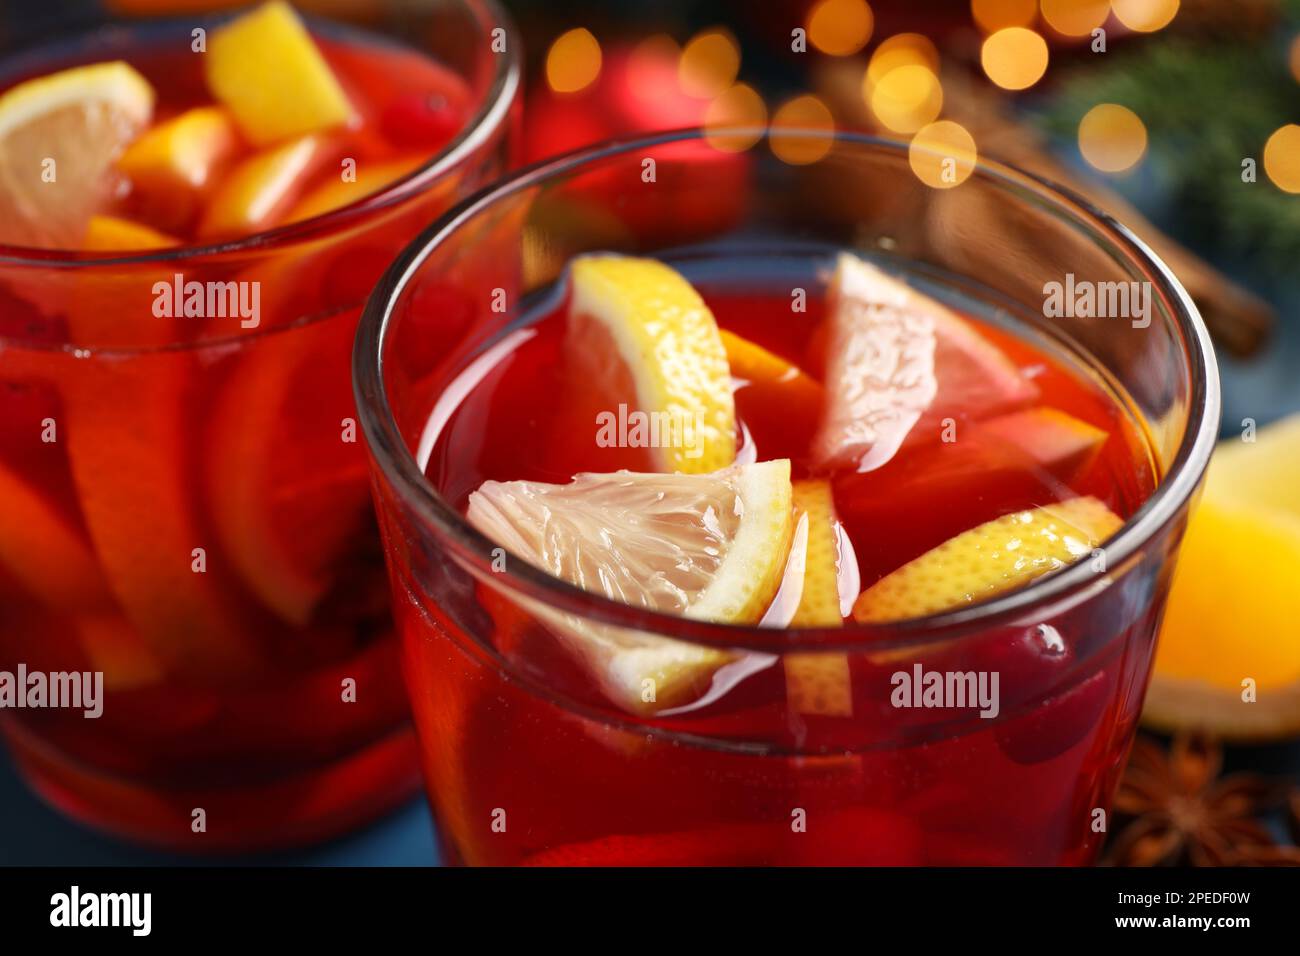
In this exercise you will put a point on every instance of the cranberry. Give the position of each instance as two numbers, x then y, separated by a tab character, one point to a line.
423	121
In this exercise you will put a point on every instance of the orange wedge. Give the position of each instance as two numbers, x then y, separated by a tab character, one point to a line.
1228	659
819	683
258	193
337	193
994	557
114	234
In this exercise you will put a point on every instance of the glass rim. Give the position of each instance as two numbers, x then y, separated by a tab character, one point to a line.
491	113
460	541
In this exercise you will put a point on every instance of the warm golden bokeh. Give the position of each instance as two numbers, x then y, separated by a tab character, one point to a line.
906	98
942	154
839	27
1282	158
1293	59
1075	18
1145	16
994	15
738	106
902	49
1112	138
573	61
1014	58
806	113
709	63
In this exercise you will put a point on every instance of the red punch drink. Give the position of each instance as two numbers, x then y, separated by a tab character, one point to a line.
185	509
742	545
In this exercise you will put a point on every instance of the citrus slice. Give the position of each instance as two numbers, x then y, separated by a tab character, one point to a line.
113	234
989	559
259	192
819	683
710	547
897	363
290	493
266	69
643	336
1227	659
59	137
337	193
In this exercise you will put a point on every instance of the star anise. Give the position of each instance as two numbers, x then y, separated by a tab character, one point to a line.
1182	812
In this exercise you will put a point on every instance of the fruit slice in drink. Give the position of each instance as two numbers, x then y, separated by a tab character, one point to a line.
819	683
710	547
640	335
59	136
288	513
898	363
999	555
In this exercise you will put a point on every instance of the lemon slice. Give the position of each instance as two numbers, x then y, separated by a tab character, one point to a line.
643	336
1227	659
59	137
996	556
710	547
819	683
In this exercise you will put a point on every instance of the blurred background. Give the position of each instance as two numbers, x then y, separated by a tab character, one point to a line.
1179	118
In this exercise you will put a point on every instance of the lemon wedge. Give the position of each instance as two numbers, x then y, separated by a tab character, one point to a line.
989	559
644	337
1228	658
59	137
710	547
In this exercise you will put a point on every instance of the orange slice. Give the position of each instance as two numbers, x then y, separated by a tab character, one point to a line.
1228	659
59	137
266	69
337	193
819	683
113	234
258	193
994	557
711	547
289	493
897	363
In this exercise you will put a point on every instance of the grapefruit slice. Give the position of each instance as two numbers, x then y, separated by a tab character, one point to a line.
819	683
987	560
643	337
59	137
710	547
1230	625
897	363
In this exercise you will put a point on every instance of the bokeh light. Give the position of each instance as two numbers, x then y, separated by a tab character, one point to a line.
902	49
1293	59
1112	138
573	61
738	106
1075	18
942	154
839	27
802	112
1145	16
906	98
1282	158
709	63
1014	58
994	15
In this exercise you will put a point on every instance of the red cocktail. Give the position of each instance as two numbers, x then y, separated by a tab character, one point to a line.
185	504
792	531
